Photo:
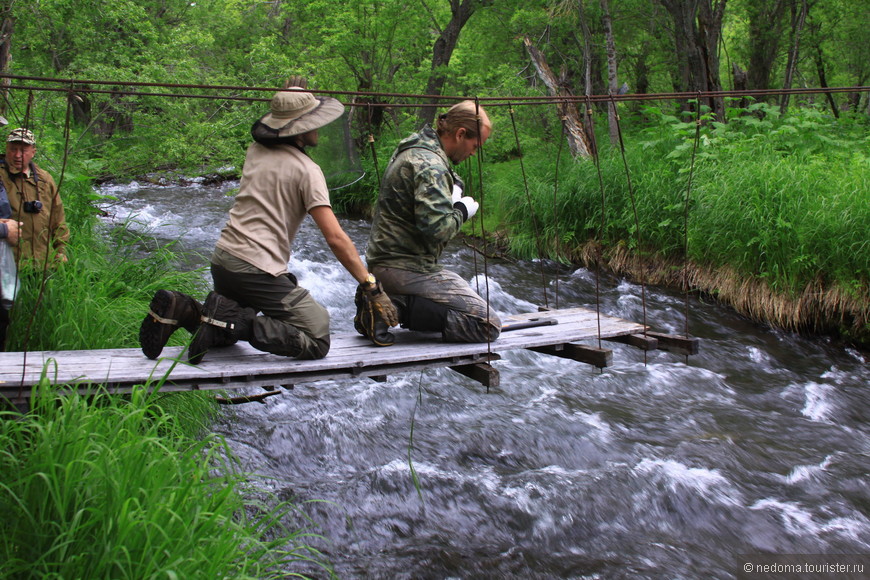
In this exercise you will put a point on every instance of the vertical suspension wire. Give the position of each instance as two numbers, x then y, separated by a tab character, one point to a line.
535	225
636	219
695	145
482	225
27	108
601	228
371	140
468	171
41	295
557	247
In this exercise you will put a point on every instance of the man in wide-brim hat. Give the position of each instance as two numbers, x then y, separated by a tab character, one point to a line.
280	185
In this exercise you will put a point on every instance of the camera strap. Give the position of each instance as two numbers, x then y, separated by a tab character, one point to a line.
33	172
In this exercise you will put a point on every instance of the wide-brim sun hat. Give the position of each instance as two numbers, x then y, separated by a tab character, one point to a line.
294	111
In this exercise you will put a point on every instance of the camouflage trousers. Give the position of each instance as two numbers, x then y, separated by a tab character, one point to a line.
469	318
292	324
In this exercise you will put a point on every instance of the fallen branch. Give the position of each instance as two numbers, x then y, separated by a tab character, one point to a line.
261	398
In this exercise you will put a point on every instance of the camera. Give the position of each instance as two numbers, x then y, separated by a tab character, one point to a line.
34	206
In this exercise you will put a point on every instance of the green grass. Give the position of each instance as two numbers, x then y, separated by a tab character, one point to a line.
112	487
785	200
99	297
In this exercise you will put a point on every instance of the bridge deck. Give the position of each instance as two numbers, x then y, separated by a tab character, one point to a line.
351	355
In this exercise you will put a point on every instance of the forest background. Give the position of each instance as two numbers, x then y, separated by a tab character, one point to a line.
719	147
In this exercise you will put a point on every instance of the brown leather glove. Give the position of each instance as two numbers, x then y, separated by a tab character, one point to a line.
381	303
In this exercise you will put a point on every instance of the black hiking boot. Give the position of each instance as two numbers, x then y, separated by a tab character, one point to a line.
168	311
224	322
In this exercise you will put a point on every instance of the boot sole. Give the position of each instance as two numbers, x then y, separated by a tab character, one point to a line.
154	335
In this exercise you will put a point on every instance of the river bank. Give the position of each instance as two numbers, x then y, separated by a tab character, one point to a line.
819	310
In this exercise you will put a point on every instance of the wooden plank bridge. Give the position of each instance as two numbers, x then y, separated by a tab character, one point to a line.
554	332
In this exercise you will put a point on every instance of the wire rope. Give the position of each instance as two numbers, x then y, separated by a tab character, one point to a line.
480	211
686	205
557	242
601	228
535	225
638	242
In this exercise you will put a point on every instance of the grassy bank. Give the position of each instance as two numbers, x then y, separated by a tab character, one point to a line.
124	486
773	221
115	487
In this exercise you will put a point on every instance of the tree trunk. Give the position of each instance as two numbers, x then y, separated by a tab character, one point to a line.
7	26
798	19
697	31
765	30
612	81
710	16
740	79
461	11
578	141
823	81
683	16
587	49
588	68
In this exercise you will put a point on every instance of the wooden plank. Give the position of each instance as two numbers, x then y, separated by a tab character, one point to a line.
599	357
677	343
483	373
350	356
643	342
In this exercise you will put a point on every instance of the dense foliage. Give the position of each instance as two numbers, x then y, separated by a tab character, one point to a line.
783	198
385	49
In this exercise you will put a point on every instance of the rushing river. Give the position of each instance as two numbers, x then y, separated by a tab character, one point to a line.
655	467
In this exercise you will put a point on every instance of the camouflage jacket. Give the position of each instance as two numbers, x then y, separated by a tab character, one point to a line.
414	217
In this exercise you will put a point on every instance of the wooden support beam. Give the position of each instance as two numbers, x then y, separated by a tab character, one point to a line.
643	342
483	373
677	343
599	357
261	398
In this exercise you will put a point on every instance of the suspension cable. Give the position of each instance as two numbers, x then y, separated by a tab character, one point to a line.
636	220
601	228
695	145
374	150
535	226
482	225
557	246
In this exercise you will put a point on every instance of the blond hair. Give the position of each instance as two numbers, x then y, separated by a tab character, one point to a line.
466	115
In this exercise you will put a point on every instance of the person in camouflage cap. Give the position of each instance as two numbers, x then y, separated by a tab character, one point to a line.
420	208
35	202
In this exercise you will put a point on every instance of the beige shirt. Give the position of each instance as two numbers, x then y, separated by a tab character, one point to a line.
279	185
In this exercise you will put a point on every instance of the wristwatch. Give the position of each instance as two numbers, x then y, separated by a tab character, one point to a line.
370	279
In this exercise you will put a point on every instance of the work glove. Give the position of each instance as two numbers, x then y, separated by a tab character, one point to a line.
381	303
467	206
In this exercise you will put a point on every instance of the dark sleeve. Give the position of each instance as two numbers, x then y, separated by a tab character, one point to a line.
4	231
